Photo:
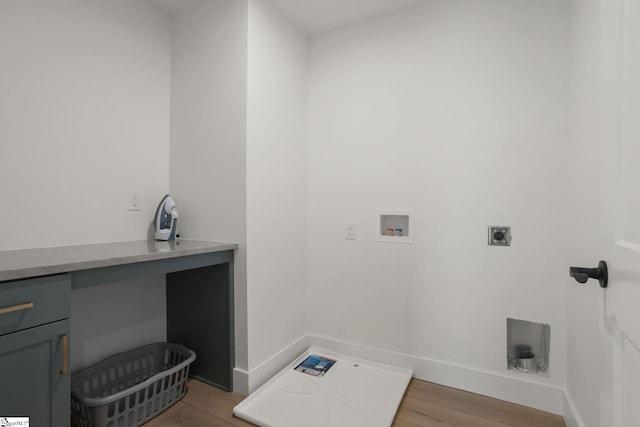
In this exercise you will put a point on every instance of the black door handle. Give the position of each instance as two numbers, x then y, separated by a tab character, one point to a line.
599	273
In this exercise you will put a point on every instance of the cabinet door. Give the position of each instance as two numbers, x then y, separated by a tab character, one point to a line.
31	382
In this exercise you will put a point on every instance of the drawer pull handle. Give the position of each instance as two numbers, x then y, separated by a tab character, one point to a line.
65	355
18	307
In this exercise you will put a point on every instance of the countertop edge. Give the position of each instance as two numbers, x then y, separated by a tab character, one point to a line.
70	266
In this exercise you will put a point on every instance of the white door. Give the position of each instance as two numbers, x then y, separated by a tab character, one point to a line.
620	213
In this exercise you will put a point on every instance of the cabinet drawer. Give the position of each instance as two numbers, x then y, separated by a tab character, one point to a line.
33	302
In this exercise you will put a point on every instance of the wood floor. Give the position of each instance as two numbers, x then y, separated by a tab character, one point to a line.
424	404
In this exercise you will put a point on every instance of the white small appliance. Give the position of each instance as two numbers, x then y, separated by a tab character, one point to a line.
166	219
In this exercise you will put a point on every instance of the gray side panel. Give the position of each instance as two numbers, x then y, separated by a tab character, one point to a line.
200	317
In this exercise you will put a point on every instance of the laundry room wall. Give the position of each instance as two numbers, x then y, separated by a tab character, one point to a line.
238	163
458	111
208	134
583	301
84	119
276	187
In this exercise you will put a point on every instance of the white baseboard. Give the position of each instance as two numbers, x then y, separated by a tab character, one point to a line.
247	382
240	381
571	416
514	388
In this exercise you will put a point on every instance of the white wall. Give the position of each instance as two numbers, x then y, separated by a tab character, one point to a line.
85	118
457	110
238	96
582	304
208	133
276	182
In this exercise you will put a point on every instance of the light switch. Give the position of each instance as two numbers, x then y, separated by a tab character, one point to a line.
350	231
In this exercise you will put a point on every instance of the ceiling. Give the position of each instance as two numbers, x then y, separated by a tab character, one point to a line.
172	6
314	17
318	16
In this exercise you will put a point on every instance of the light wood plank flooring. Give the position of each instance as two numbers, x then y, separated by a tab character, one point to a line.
424	404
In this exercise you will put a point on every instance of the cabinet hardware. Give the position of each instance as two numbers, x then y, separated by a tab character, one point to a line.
18	307
65	355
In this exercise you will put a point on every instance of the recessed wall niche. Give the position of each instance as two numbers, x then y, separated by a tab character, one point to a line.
394	225
528	346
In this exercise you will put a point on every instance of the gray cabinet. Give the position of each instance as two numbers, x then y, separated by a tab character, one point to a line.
34	350
35	306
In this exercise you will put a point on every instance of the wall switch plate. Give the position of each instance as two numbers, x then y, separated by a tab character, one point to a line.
350	231
135	200
499	235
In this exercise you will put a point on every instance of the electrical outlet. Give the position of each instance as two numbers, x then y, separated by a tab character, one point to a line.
499	235
135	200
350	231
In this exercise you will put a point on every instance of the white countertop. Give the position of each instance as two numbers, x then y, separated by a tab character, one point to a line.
23	263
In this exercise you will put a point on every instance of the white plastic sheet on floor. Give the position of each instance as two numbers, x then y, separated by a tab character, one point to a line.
352	393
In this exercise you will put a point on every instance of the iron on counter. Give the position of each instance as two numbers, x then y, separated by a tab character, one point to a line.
166	219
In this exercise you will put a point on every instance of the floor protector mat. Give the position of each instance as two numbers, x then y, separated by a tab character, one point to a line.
322	388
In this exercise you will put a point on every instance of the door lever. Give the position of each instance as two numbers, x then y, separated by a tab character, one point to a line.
599	273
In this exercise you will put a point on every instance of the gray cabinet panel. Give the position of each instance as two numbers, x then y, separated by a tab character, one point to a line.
50	296
200	317
32	384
